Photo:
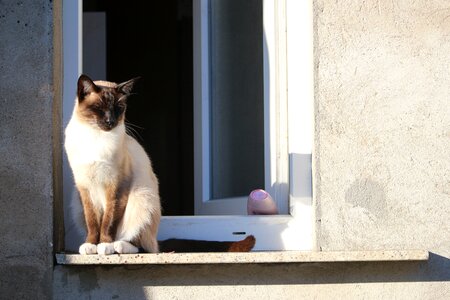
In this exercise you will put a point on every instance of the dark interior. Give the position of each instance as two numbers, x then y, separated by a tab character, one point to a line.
154	40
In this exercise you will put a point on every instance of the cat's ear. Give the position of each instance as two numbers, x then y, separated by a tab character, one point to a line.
127	86
85	87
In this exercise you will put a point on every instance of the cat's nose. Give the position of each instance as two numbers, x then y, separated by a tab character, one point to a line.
109	121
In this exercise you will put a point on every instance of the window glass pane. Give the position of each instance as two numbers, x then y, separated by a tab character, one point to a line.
236	107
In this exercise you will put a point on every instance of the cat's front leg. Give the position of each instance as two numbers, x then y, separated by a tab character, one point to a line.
116	201
92	223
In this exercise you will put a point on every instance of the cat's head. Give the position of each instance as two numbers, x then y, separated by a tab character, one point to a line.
102	103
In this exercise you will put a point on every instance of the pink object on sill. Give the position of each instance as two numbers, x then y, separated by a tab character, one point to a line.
261	203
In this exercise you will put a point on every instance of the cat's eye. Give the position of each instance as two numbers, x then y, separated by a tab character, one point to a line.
97	110
118	110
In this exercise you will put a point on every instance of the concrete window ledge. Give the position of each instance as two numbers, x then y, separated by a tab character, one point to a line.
244	258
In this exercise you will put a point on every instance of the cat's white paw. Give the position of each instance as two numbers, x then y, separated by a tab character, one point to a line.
88	248
123	247
105	248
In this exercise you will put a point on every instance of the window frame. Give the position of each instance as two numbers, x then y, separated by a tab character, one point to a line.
290	155
276	161
293	230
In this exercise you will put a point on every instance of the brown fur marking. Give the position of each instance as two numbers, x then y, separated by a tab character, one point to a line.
95	104
182	245
116	203
245	245
91	217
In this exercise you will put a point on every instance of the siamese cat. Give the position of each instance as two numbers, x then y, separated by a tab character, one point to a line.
115	180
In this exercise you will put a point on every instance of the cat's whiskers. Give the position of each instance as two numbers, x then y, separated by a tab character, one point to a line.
131	130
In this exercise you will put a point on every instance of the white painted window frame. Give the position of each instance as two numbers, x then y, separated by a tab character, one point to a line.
289	131
288	51
275	117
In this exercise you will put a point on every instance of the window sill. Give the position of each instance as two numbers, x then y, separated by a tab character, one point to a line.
263	257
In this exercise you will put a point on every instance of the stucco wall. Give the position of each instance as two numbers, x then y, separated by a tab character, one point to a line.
271	281
382	157
382	160
26	99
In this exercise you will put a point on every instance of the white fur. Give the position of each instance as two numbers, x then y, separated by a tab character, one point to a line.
94	156
122	247
91	154
105	248
88	248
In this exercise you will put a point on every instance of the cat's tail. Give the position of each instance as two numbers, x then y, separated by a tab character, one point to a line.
182	245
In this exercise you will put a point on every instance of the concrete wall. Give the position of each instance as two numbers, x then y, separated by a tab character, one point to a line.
274	281
26	157
382	157
381	165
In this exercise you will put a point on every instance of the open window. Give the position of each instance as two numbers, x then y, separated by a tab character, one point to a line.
229	106
214	110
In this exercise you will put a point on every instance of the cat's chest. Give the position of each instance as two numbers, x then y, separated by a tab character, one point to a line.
94	155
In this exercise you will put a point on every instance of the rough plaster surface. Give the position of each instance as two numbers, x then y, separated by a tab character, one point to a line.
382	161
270	281
25	149
382	176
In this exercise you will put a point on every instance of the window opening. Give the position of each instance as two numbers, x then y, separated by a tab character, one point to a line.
161	48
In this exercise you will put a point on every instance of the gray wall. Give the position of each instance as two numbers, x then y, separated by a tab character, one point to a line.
381	164
382	176
26	157
271	281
